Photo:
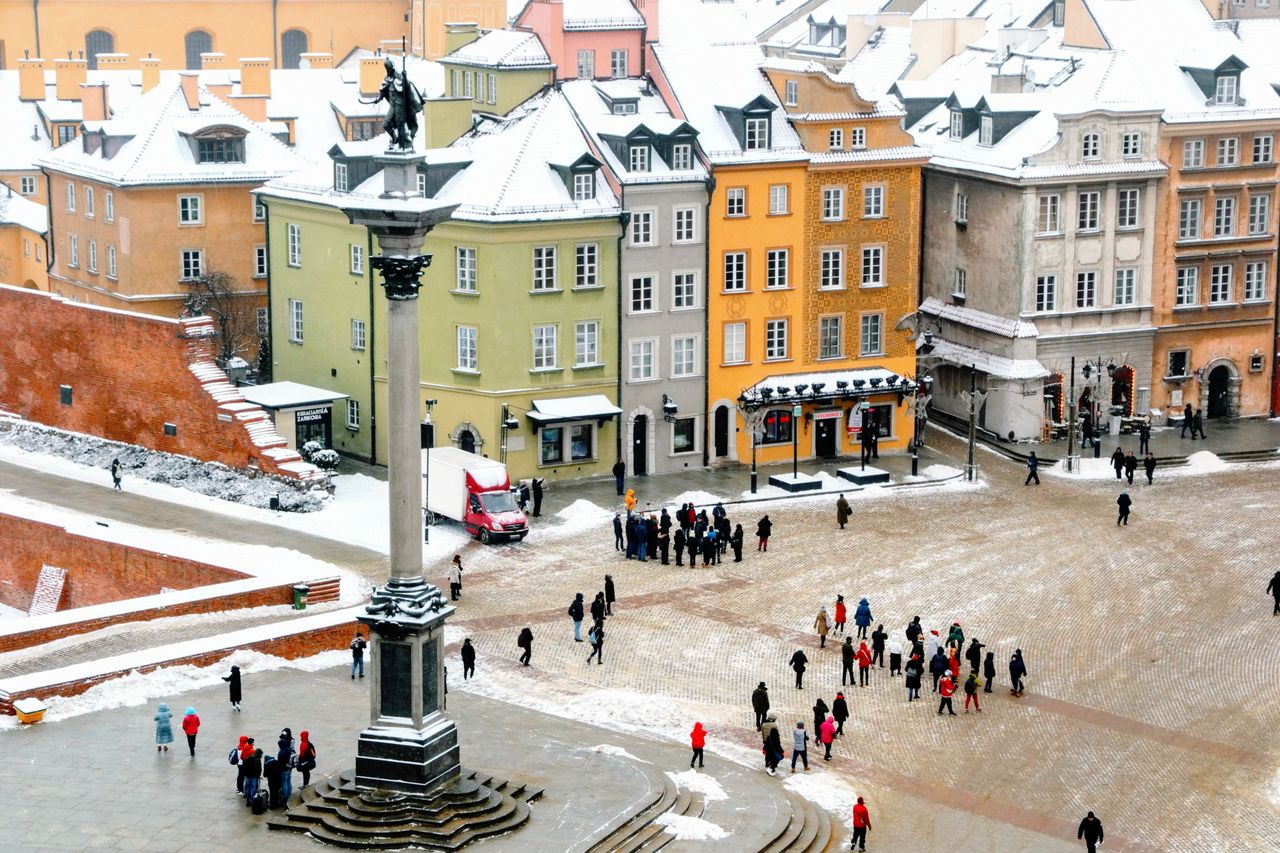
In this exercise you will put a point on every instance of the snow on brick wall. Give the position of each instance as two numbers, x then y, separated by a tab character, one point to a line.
130	375
48	594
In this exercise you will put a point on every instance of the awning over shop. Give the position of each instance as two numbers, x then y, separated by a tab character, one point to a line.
827	386
584	408
288	395
1016	369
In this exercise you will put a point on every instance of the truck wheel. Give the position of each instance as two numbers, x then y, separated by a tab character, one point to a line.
484	536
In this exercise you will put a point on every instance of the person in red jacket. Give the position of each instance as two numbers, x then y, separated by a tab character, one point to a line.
861	823
827	735
191	725
953	663
698	739
841	612
864	664
946	687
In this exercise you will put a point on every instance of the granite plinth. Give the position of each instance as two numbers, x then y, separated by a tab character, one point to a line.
863	476
798	483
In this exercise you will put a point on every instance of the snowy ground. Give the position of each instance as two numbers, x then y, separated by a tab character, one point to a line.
7	613
1203	462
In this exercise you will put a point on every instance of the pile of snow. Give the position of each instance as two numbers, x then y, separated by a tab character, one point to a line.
1275	789
582	514
1204	462
617	751
1201	462
89	457
699	783
940	472
697	498
7	613
168	683
825	790
686	828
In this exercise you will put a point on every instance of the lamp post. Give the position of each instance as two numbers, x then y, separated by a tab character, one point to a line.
973	397
753	417
1073	459
1092	366
795	442
508	424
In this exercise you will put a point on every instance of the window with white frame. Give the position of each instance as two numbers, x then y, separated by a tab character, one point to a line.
586	343
792	90
960	283
1125	286
586	64
857	138
831	337
1255	281
584	186
1188	286
192	263
1086	289
643	362
835	138
544	268
71	197
871	341
294	244
757	134
833	204
353	415
1225	89
775	340
1224	216
957	124
684	290
1220	284
27	185
340	177
831	268
89	206
681	156
642	227
295	321
544	347
1131	144
684	356
1259	213
259	261
962	208
618	63
468	82
685	221
735	343
986	128
1046	292
465	269
357	334
778	199
1049	220
1091	146
735	201
642	296
872	266
189	210
92	265
778	268
873	201
357	259
422	185
1087	204
1193	154
684	435
111	261
1228	151
735	271
1128	202
493	88
638	158
1189	217
259	210
1262	148
73	250
467	348
587	265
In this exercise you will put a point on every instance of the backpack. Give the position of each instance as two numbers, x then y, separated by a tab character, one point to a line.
233	757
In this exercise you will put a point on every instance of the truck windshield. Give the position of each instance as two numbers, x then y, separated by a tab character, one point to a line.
495	502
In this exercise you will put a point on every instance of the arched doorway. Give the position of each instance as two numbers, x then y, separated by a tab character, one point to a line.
197	42
1219	392
293	43
640	445
1122	389
30	285
96	42
467	441
721	429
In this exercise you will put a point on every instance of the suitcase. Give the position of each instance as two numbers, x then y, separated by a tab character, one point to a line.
259	802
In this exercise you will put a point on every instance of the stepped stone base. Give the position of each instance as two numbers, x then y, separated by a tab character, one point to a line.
337	812
863	477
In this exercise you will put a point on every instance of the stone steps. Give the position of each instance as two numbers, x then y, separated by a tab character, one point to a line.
808	829
629	828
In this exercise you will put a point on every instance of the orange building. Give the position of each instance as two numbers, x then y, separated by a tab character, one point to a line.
23	224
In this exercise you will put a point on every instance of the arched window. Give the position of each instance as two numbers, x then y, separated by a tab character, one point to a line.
96	42
293	43
197	42
1091	146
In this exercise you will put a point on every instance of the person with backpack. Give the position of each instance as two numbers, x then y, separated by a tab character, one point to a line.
525	641
236	758
252	769
698	740
971	692
358	645
164	728
306	757
576	612
764	528
191	727
800	747
1033	469
468	653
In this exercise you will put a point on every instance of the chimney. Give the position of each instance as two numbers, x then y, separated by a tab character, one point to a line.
218	83
150	73
371	74
69	74
31	79
212	60
317	60
460	34
445	119
255	76
93	97
113	61
190	81
649	11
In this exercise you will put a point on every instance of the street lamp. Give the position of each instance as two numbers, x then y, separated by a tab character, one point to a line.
507	424
752	416
920	410
795	442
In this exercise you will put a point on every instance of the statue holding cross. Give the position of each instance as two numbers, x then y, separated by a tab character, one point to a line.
404	102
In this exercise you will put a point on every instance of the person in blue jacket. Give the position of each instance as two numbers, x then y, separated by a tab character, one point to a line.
862	618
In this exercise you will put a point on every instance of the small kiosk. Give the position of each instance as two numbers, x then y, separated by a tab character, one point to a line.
300	412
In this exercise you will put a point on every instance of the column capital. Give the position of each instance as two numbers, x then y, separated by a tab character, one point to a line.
400	274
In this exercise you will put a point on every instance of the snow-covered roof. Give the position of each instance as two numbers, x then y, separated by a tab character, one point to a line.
288	395
989	363
23	212
880	62
857	382
573	408
503	49
975	319
25	139
601	15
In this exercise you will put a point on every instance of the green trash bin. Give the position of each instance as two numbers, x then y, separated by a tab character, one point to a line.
300	596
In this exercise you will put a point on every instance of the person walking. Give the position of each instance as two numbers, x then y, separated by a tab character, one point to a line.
233	684
164	727
772	744
679	540
798	662
596	636
285	758
760	704
842	511
190	727
598	607
468	653
1033	470
576	613
799	747
1091	829
735	542
1124	502
1017	671
841	614
358	645
1273	587
820	711
525	641
937	666
1188	422
455	578
878	636
820	625
862	618
698	740
306	757
848	654
617	533
895	657
763	529
946	688
827	736
1197	424
1144	437
1117	462
861	825
536	487
931	646
252	773
1130	466
610	594
913	673
840	710
971	692
619	471
115	474
1149	465
988	672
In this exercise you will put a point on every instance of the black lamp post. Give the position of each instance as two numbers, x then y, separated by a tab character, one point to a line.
508	424
749	408
795	442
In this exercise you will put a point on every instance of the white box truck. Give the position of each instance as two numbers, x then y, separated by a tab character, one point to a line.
472	490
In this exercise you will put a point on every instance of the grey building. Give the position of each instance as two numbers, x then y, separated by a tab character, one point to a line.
651	158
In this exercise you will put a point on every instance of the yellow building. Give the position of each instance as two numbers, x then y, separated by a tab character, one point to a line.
23	225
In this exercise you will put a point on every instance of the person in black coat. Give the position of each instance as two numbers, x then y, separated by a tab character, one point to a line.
989	671
664	520
760	704
1017	669
974	654
537	496
735	542
525	641
619	471
694	543
272	769
840	710
1188	422
651	539
610	595
878	636
664	546
763	530
630	528
937	666
234	681
1091	829
252	767
1197	424
1144	437
1130	466
1124	502
913	672
1117	462
596	636
1149	465
798	662
597	608
724	530
679	541
847	654
575	613
1274	588
468	659
772	749
618	542
820	711
914	631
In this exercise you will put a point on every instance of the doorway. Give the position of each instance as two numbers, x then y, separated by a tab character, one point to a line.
467	441
825	437
722	432
1219	395
640	445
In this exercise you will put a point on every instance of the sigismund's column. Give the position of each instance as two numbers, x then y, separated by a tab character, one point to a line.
409	746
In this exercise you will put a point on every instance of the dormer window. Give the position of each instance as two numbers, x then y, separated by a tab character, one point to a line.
340	177
793	92
957	124
1059	12
757	134
624	108
220	150
835	139
985	129
638	158
1091	146
1226	89
584	186
681	156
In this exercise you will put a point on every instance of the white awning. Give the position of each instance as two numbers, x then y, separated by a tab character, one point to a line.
827	385
584	408
1017	369
288	395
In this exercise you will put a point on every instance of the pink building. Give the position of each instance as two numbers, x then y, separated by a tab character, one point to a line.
593	39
